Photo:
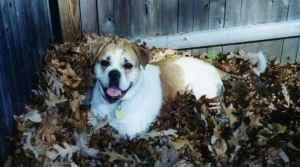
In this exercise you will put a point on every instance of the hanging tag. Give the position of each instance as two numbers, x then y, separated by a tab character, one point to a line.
119	113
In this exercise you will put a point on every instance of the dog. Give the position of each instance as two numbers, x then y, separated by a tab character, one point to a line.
129	92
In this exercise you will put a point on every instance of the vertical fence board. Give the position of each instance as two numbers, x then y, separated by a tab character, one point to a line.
216	14
253	12
121	17
33	38
45	26
105	17
291	46
55	20
138	17
25	70
24	32
200	20
232	13
216	21
232	18
169	16
37	33
88	16
290	49
257	12
277	11
298	54
201	15
69	12
185	15
5	99
13	57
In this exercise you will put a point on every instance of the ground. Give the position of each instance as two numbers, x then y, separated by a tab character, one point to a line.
255	123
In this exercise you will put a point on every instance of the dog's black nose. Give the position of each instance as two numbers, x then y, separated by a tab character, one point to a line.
114	77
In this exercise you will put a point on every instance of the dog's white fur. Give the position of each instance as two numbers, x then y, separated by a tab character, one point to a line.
142	102
200	77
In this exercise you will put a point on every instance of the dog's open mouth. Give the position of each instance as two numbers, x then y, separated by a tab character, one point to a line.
113	92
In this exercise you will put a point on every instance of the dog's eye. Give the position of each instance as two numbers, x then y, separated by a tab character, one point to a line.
128	66
104	63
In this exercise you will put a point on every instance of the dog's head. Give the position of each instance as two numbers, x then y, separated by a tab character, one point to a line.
117	67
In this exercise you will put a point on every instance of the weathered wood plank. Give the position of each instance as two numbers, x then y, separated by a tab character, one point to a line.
26	68
55	20
169	16
45	26
201	15
6	109
266	11
232	18
38	33
193	15
294	10
253	12
216	14
121	17
13	46
106	16
138	17
24	32
298	54
232	13
277	11
221	36
198	51
185	15
88	16
290	49
216	21
291	46
154	9
69	13
272	49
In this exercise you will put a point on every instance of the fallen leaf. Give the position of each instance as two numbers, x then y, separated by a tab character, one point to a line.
65	152
33	116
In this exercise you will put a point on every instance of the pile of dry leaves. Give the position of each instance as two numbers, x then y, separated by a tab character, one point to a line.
257	123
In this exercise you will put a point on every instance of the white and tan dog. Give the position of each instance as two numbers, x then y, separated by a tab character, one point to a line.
129	92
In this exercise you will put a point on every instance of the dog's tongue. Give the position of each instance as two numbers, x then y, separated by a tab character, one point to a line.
113	92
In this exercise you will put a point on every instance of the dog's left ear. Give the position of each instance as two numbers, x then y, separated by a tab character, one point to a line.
143	54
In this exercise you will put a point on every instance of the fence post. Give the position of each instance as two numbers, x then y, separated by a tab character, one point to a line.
69	16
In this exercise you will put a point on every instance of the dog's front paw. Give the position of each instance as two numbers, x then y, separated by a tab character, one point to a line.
92	120
95	123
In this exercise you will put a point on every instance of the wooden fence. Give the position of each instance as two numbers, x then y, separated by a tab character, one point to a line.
131	18
25	32
27	27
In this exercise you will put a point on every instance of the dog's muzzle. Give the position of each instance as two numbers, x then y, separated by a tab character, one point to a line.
112	93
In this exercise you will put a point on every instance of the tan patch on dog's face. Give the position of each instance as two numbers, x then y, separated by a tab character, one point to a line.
137	53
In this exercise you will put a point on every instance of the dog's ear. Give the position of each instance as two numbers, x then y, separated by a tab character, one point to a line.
143	54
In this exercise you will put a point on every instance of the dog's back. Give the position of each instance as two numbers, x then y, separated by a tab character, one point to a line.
190	74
